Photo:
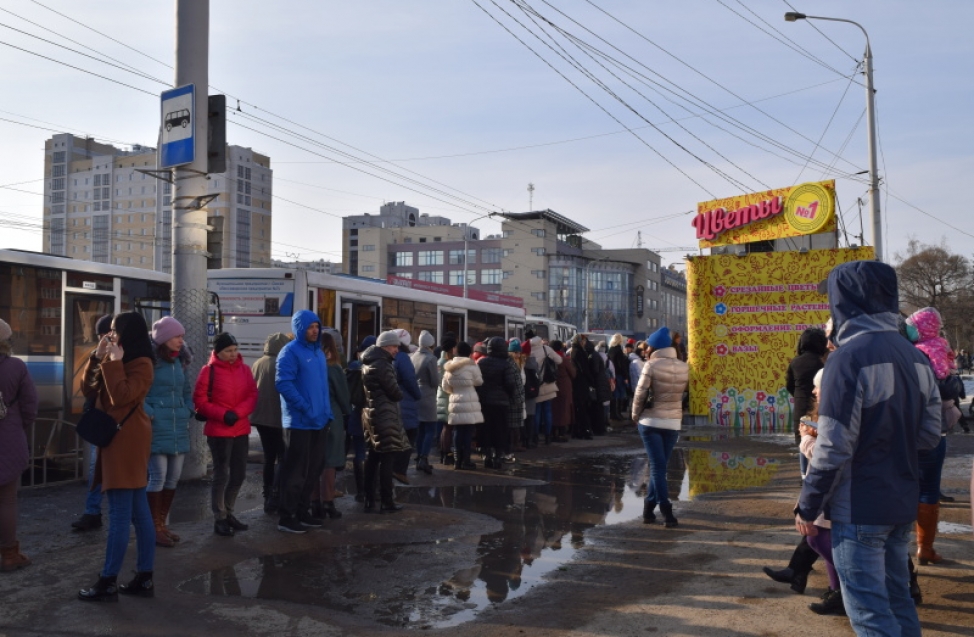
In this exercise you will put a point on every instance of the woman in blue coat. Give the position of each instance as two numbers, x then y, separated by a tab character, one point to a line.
409	407
169	405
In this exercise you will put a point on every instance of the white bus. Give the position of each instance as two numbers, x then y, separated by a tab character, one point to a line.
550	329
256	302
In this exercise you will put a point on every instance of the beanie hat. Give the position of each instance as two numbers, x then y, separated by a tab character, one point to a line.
464	349
631	342
426	339
166	328
103	325
404	337
5	331
817	381
660	338
388	338
497	345
367	342
448	343
514	346
526	348
222	341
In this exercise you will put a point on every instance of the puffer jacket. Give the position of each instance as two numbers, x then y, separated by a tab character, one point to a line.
169	405
812	347
515	408
538	352
233	389
406	374
302	378
442	398
264	369
668	377
620	362
428	378
500	376
461	378
937	349
381	420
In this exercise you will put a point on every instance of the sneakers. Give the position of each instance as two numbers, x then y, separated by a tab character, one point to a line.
87	522
291	525
307	519
831	604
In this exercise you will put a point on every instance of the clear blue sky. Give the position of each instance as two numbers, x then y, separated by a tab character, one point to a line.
443	90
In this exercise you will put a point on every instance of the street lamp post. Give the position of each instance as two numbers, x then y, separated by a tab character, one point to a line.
874	215
466	235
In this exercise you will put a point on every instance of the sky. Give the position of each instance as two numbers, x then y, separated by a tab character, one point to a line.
623	114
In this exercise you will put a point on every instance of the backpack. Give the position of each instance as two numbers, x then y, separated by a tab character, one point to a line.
532	386
356	390
548	373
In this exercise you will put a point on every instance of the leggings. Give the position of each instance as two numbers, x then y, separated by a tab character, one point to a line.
8	512
822	544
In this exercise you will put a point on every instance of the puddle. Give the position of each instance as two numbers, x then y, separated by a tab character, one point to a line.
542	528
952	528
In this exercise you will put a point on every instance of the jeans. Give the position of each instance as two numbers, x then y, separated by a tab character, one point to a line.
229	471
125	508
931	465
872	565
659	445
93	500
164	471
424	439
542	417
303	463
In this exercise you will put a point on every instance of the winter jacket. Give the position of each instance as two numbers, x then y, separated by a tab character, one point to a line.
636	363
531	374
620	363
563	407
341	408
600	374
585	383
428	379
381	420
538	352
442	398
937	349
302	378
406	374
880	406
353	379
169	405
123	464
500	376
515	407
264	369
233	389
812	347
667	376
461	377
20	397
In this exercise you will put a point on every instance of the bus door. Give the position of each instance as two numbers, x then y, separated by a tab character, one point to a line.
83	311
359	319
453	320
515	329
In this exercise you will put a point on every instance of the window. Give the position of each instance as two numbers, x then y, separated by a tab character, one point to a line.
432	277
490	255
538	232
57	171
57	184
368	268
490	277
538	251
456	257
456	277
538	274
430	257
404	259
538	296
508	274
368	248
508	233
59	157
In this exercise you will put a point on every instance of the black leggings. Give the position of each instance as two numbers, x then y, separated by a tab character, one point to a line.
272	441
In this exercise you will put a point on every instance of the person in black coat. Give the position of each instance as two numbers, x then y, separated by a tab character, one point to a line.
584	387
812	348
501	378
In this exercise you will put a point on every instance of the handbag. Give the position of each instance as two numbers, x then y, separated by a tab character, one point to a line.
209	396
98	427
648	403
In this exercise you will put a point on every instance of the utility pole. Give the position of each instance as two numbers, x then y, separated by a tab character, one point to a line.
190	299
530	197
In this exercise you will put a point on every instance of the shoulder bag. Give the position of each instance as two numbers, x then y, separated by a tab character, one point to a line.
99	428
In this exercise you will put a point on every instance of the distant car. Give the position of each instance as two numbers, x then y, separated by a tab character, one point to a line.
177	118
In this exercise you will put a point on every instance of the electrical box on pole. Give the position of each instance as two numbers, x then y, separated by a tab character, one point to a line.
216	135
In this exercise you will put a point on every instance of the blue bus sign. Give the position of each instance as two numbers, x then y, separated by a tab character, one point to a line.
178	119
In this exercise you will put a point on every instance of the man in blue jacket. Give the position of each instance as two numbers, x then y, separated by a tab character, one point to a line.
302	381
879	405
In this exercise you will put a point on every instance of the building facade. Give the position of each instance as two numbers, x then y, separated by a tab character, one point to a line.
325	267
102	204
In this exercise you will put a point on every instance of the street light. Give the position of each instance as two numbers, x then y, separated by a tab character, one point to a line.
466	234
874	217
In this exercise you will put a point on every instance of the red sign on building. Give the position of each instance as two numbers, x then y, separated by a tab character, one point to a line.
456	290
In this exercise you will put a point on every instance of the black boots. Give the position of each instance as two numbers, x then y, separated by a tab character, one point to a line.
358	468
463	461
87	522
423	464
648	516
669	520
140	586
329	510
831	604
390	506
915	591
271	501
797	580
223	528
104	590
236	524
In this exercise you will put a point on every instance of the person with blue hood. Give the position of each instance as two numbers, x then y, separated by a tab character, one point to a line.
302	381
880	407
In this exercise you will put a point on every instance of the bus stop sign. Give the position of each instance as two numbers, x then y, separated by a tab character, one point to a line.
178	143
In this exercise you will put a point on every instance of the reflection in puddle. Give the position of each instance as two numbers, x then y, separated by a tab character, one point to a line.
542	528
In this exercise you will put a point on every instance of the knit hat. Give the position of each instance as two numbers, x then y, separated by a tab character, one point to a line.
426	339
166	328
660	338
388	338
103	325
448	343
526	348
5	331
404	337
222	341
464	349
514	346
631	342
367	342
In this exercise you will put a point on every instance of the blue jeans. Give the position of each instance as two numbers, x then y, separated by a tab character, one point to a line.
125	508
659	445
931	465
424	439
872	565
542	417
93	500
164	471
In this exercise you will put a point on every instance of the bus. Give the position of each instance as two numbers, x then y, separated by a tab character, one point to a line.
550	329
256	302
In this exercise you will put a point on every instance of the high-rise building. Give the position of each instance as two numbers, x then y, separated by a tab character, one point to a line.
105	204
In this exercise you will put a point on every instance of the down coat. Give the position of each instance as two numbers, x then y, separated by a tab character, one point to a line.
20	397
381	420
411	394
538	352
501	375
442	398
268	410
461	378
428	378
563	408
233	389
169	405
668	377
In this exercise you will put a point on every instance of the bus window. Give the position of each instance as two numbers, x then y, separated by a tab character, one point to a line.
456	323
483	325
412	316
30	302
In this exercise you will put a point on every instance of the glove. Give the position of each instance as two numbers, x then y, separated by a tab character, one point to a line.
230	418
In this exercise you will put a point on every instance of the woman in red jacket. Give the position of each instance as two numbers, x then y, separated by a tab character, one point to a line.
226	395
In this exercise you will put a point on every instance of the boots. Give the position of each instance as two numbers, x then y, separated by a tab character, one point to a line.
140	586
915	591
463	461
797	579
155	505
927	518
104	590
272	502
423	464
831	604
12	559
669	520
87	522
614	409
328	508
516	440
648	516
359	470
166	505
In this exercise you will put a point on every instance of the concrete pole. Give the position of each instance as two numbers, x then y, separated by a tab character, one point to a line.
190	299
874	215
